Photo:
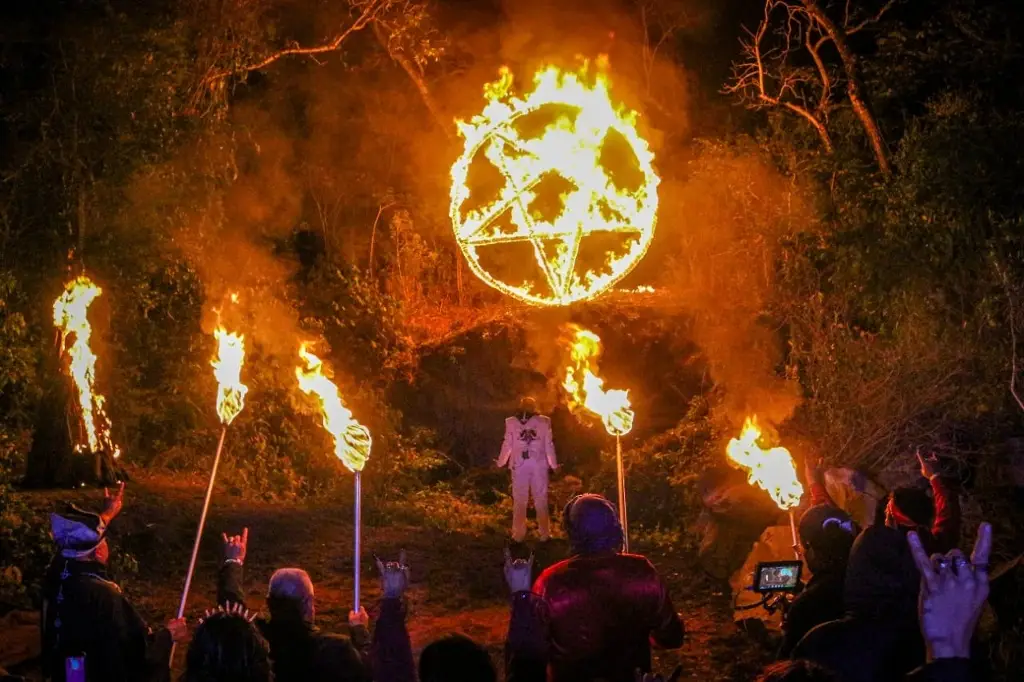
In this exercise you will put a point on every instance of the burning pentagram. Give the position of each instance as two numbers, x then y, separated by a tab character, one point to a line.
570	180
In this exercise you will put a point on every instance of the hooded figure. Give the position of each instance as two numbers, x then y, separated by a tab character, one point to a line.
529	452
602	609
85	613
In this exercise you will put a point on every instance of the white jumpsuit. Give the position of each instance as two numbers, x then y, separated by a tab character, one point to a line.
529	452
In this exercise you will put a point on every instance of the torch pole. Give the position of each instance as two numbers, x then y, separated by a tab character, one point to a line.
199	530
358	524
792	528
623	515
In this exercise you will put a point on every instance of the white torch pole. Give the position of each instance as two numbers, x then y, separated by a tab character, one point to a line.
358	524
199	530
792	528
623	514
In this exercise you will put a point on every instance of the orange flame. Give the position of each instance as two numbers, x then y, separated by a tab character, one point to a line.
352	440
586	389
227	368
772	470
584	124
70	315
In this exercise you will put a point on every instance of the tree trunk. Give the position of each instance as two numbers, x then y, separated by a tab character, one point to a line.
51	460
443	122
854	85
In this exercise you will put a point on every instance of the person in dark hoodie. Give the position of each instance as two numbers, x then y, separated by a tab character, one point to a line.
299	651
826	535
601	609
86	615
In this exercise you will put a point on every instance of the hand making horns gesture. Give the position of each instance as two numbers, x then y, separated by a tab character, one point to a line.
953	592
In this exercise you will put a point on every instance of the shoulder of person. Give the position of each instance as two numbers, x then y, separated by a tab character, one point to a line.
544	418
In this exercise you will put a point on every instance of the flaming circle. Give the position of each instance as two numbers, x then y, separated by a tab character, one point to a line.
565	183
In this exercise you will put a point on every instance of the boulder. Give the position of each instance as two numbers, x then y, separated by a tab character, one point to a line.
21	641
734	516
855	493
775	544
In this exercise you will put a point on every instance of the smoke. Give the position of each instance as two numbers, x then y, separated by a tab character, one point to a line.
723	208
728	217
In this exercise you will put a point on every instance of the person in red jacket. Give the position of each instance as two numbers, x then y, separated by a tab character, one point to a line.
602	609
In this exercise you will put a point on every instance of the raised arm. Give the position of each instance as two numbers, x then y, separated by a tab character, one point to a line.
945	528
229	579
526	646
814	472
391	653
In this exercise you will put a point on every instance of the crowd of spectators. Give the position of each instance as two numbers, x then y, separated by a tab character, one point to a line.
894	601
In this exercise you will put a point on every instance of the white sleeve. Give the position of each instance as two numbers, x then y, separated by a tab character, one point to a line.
506	445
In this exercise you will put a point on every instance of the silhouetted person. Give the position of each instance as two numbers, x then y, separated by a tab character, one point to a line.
84	613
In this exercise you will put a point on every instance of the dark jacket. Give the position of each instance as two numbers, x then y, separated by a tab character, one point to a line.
298	650
391	653
602	614
820	602
84	612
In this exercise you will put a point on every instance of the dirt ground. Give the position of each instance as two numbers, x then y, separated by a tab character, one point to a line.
456	578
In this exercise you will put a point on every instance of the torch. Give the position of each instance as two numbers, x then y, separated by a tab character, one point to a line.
352	440
772	470
227	368
586	390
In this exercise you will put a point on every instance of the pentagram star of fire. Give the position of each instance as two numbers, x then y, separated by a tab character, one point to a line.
569	151
583	170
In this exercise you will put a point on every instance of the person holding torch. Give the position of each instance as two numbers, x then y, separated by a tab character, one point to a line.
528	450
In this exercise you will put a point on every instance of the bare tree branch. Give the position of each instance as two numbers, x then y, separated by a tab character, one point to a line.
874	19
765	79
368	11
854	82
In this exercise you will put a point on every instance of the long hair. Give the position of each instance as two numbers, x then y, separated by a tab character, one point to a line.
227	647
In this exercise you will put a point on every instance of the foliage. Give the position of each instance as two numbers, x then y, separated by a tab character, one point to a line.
17	356
24	549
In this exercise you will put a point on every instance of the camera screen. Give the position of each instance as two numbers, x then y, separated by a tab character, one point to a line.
779	576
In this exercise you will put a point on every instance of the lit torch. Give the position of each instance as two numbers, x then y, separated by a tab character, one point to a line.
227	369
586	390
772	470
352	440
70	316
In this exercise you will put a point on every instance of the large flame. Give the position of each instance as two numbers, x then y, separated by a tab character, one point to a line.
70	315
352	440
572	148
773	470
586	389
227	368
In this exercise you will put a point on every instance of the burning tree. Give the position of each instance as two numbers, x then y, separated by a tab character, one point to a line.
88	432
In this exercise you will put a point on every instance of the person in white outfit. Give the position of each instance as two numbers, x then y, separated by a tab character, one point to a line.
529	451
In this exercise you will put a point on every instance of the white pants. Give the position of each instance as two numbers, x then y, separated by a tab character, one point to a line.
530	477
